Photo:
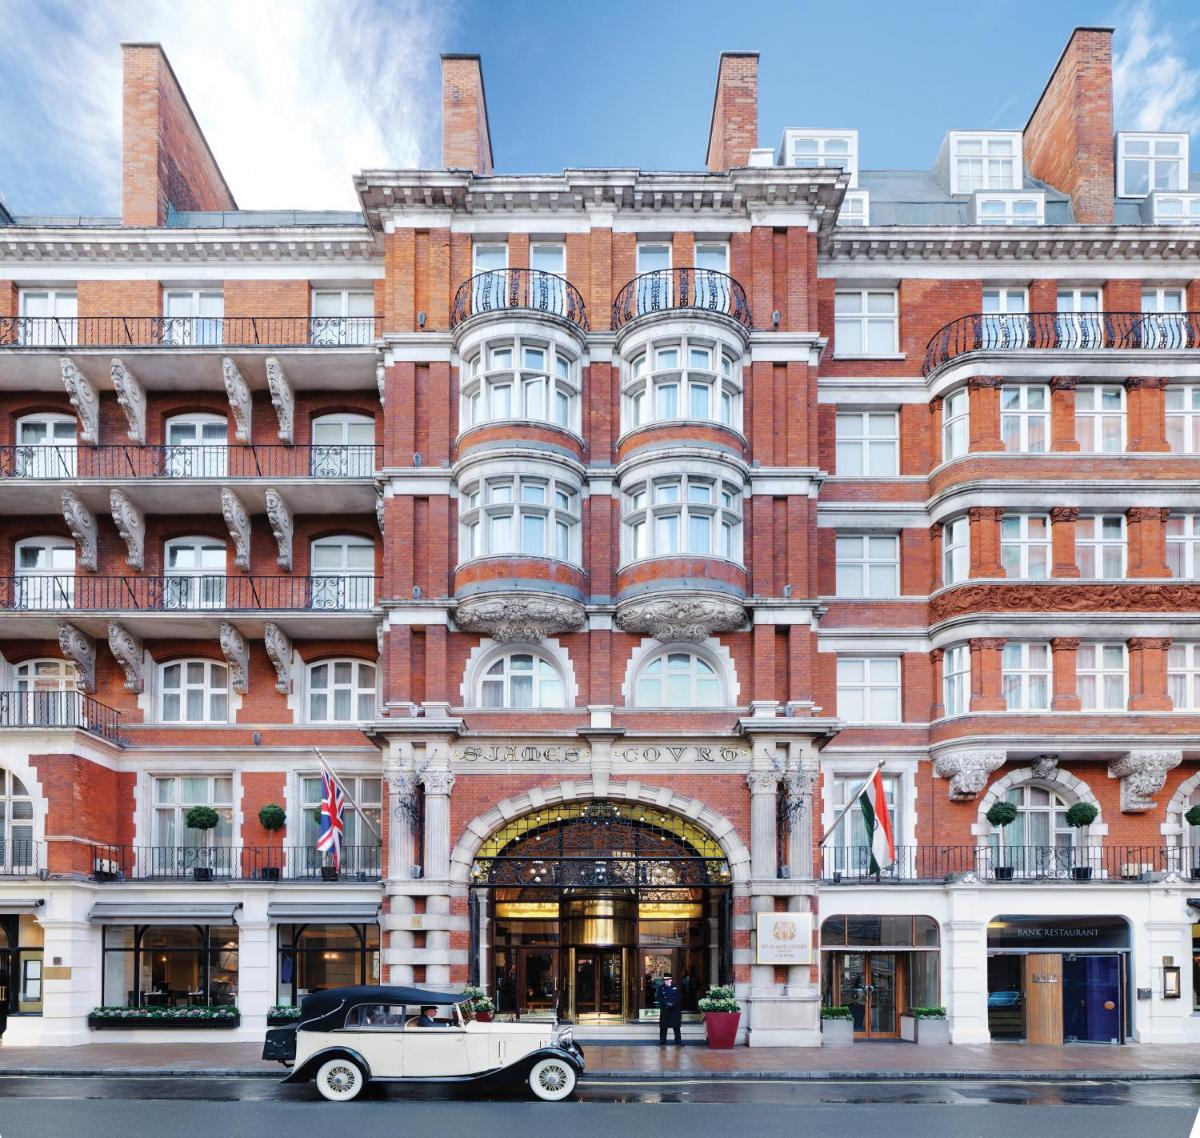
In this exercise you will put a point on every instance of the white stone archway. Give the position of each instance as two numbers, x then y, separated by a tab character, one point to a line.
1174	828
1051	776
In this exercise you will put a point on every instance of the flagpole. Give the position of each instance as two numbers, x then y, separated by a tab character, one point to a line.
349	797
849	805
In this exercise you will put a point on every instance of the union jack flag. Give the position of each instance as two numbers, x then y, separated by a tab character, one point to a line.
333	825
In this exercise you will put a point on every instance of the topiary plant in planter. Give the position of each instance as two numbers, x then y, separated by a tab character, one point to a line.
722	1014
202	818
1001	815
1079	817
272	818
1192	818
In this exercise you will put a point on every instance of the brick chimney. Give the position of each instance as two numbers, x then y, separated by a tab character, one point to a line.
1069	137
165	160
733	132
466	140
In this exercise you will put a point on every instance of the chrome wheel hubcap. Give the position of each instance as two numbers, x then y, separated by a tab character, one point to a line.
553	1078
340	1079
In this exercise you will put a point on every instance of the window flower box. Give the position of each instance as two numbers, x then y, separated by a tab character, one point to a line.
122	1019
283	1015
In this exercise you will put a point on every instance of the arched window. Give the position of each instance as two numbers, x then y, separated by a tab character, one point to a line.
692	379
197	446
341	691
343	572
521	679
194	573
530	516
684	514
343	446
16	825
193	691
45	573
521	379
44	675
1041	819
679	679
46	446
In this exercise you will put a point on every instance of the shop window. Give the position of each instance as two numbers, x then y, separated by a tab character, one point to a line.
168	966
316	956
21	947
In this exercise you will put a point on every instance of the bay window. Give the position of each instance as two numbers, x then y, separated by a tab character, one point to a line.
1025	546
1102	676
955	424
1100	546
956	679
1100	418
689	514
521	378
1025	418
1183	675
689	378
1183	418
1025	672
1183	545
526	515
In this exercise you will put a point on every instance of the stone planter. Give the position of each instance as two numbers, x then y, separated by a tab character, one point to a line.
931	1032
721	1029
837	1032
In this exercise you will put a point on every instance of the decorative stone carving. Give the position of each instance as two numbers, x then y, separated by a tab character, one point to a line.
1064	513
80	649
1142	775
1064	598
280	518
762	782
380	628
403	777
519	616
240	402
681	617
282	399
82	524
437	782
132	400
85	401
127	650
381	381
1045	767
279	648
379	505
131	525
967	771
237	519
237	656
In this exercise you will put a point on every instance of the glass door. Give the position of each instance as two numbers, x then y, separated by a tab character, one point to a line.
1092	999
867	982
538	979
599	983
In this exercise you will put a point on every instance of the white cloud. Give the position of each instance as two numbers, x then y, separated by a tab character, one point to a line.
294	96
1154	86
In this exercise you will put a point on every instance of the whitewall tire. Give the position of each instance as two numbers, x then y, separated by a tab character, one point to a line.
552	1080
340	1080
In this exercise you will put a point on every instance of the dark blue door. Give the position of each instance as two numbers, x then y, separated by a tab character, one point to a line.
1092	1010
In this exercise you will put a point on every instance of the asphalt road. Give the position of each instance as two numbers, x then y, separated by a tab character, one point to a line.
186	1108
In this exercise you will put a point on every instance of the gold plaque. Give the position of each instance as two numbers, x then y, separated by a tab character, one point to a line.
784	938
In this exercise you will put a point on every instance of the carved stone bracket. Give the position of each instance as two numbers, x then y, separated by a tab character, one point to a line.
1142	775
240	403
1045	767
380	500
282	399
131	525
381	381
237	656
681	617
237	519
80	649
82	524
85	401
279	648
967	771
519	616
127	650
132	399
280	518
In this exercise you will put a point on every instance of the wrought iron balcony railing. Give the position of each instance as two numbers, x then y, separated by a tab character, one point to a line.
1013	863
110	332
187	462
503	290
27	709
667	289
199	592
21	857
1063	331
233	863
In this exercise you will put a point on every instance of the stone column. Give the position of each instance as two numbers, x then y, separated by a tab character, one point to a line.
764	864
1062	541
1062	414
256	962
984	401
1064	651
986	689
985	541
438	784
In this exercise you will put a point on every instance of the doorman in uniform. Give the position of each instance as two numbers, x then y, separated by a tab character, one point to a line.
670	1009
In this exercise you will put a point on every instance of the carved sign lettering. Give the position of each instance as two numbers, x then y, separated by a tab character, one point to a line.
520	753
668	754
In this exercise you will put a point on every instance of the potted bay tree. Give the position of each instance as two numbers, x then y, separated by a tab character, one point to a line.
1001	815
271	818
202	818
1192	818
1080	816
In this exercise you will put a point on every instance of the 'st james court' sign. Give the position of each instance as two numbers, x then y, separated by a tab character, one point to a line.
652	754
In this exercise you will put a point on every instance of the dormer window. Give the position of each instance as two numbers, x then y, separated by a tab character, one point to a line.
1176	209
1149	162
823	149
989	160
856	208
1010	209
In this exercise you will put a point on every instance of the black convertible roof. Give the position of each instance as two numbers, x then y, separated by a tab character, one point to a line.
323	1011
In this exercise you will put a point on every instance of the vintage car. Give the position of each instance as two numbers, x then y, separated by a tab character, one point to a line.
347	1037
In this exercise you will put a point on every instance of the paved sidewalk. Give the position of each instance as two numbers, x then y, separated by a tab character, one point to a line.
641	1061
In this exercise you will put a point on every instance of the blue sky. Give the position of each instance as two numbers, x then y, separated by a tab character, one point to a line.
297	95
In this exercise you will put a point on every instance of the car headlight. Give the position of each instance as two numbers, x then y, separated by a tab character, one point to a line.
565	1036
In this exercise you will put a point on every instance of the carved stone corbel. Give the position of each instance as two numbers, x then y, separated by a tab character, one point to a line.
237	519
84	399
238	391
132	399
519	616
80	649
380	500
1142	775
279	648
674	617
381	381
131	525
282	399
82	524
127	650
280	519
380	629
237	656
967	771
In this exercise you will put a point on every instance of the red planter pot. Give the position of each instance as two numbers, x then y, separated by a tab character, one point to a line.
483	1017
721	1029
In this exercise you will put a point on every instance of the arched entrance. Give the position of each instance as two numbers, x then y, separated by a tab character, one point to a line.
591	903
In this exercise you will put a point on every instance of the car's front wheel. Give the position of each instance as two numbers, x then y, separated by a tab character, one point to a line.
552	1080
340	1080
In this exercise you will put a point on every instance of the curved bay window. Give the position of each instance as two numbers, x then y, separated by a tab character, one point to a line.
591	904
688	514
170	966
315	957
880	967
690	379
521	379
528	516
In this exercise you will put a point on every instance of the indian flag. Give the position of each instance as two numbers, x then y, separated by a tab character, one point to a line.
873	802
